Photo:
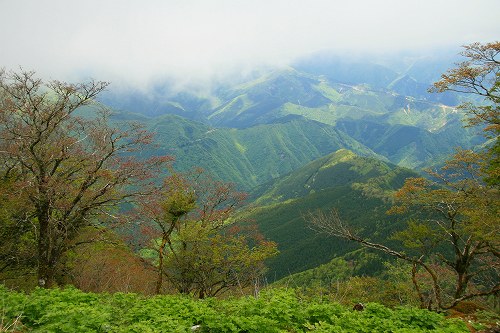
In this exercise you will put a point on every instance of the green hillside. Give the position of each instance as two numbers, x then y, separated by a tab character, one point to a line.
406	145
358	187
326	99
249	156
259	101
360	262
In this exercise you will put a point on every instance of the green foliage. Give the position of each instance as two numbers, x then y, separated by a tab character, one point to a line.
17	258
418	236
275	310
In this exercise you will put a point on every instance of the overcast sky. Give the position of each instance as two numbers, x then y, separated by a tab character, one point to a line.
142	41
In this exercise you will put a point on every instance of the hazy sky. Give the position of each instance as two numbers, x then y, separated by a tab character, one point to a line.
141	41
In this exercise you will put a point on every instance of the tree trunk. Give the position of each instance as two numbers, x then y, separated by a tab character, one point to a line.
416	286
161	250
461	288
46	264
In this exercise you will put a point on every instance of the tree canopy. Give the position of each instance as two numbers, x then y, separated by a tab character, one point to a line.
196	243
479	75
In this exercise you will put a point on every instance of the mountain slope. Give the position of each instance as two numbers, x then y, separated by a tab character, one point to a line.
283	95
247	157
258	101
358	187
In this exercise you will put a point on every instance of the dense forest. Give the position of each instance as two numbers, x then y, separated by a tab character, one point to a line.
277	205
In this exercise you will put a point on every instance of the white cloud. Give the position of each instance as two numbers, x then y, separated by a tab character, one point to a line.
140	41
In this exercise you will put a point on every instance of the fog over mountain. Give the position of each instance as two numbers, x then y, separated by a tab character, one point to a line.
140	43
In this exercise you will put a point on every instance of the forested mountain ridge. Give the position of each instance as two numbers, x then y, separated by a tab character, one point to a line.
251	156
359	187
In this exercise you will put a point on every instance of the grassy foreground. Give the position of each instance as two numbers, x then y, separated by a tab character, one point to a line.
276	310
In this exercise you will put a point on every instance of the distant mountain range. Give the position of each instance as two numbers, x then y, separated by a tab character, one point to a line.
259	129
326	132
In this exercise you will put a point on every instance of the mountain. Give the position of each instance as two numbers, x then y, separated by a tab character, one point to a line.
326	132
259	101
406	74
409	146
247	157
321	98
160	101
258	129
359	187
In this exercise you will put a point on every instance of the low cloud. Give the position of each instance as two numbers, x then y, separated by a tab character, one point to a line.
141	42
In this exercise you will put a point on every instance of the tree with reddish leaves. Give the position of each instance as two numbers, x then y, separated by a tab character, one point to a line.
162	212
479	75
196	244
108	265
73	170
